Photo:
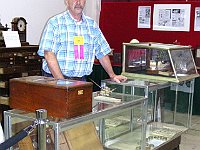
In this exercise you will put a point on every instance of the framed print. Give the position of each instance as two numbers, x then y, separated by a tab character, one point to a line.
144	16
197	19
171	17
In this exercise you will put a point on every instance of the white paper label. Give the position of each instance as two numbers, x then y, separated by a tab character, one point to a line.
198	53
11	39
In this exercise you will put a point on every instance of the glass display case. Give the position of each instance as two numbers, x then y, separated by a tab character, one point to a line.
167	102
139	87
158	61
114	117
164	114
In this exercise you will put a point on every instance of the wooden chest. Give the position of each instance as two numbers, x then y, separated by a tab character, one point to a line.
61	98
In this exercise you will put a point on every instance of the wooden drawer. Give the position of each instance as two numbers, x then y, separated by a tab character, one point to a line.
12	69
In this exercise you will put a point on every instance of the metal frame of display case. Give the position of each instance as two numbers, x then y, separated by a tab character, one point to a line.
115	108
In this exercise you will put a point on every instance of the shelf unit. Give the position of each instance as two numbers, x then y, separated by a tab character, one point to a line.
17	62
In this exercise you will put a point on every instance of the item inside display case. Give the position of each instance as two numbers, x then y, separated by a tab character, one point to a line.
158	137
197	57
158	59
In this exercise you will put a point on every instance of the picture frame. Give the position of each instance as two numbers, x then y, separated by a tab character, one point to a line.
171	17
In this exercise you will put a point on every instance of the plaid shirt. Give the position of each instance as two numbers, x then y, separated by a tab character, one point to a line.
58	37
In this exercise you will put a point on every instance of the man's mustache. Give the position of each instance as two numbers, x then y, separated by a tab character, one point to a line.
78	6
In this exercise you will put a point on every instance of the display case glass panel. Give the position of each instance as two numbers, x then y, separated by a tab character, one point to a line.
167	62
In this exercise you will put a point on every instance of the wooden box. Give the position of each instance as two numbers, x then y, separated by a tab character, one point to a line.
61	98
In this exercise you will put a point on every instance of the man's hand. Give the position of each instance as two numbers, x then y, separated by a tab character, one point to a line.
119	78
105	62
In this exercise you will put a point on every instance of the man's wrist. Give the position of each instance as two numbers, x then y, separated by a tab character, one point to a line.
112	76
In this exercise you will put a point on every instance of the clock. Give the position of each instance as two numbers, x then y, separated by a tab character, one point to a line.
19	24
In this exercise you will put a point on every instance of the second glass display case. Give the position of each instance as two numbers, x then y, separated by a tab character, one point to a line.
159	61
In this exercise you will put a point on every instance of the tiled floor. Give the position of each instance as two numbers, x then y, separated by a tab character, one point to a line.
191	139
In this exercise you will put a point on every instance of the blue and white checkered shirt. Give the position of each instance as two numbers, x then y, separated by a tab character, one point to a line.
58	37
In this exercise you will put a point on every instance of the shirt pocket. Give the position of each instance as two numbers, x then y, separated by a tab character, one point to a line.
89	46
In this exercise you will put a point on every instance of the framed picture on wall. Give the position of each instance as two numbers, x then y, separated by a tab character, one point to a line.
144	16
171	17
197	19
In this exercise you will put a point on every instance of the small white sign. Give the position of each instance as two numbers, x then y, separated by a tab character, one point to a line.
198	53
11	39
197	19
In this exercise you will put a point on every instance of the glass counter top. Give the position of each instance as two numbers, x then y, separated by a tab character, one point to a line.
102	107
150	84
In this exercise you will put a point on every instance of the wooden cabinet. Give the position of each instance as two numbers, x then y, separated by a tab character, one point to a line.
17	62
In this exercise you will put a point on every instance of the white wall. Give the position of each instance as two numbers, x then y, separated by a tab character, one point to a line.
36	13
92	9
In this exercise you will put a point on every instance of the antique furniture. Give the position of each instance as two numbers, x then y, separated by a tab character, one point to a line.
2	28
17	62
61	98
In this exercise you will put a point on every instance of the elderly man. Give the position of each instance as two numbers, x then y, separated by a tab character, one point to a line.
70	43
